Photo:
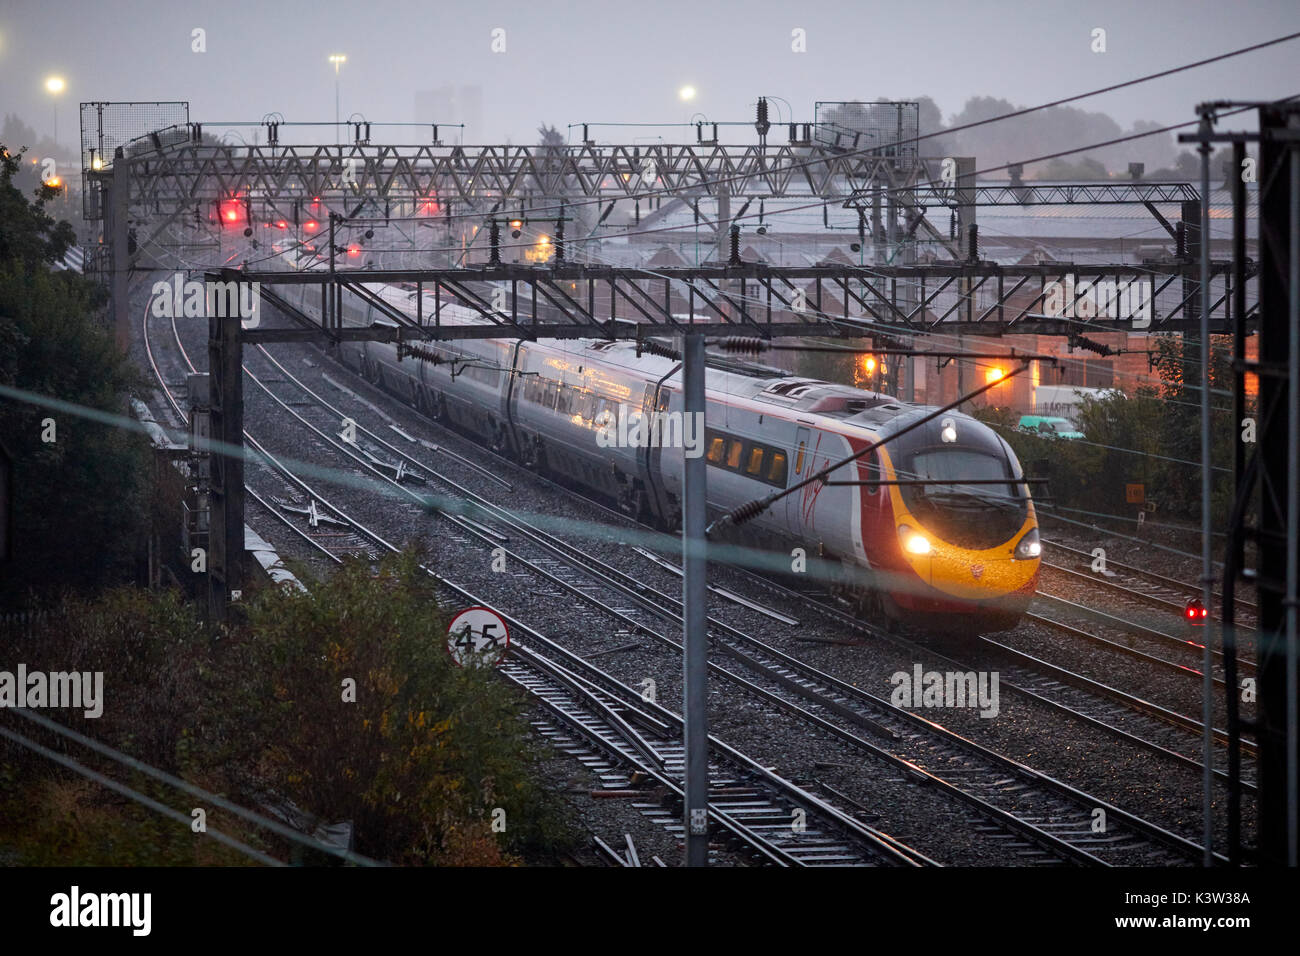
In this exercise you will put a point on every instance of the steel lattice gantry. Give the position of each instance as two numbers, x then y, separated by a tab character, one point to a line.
195	172
747	299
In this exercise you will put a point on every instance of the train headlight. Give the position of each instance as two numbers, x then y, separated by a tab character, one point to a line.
948	431
1030	546
913	541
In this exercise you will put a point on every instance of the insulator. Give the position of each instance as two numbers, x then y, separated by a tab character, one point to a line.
744	513
762	125
1091	346
657	348
742	346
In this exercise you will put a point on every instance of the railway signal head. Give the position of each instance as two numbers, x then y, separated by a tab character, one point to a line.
1196	612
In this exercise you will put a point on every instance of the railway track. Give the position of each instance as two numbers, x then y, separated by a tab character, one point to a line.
1121	629
1158	589
1133	719
828	703
750	807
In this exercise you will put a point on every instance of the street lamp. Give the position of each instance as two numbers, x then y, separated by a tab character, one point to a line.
338	59
55	85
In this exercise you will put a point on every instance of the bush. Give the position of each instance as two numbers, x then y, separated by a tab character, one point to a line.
417	763
80	508
1151	438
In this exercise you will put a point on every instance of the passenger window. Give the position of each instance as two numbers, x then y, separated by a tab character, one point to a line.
733	453
798	461
716	446
755	466
776	470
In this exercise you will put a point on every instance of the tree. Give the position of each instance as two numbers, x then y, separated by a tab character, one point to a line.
1061	169
417	754
81	486
550	136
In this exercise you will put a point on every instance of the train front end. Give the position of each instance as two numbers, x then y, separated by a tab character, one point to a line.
965	553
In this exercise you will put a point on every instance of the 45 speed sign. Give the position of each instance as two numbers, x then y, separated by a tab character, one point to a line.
478	636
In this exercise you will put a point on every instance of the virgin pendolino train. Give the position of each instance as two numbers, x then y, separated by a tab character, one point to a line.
942	555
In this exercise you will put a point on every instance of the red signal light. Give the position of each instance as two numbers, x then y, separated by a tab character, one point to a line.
353	251
309	225
1196	612
281	225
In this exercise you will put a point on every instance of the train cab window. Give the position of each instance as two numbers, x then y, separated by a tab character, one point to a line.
716	446
798	460
776	470
755	466
733	453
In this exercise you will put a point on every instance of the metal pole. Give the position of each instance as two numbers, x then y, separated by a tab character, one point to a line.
695	608
119	207
1207	565
1292	504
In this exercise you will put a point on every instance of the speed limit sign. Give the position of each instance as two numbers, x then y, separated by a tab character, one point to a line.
478	636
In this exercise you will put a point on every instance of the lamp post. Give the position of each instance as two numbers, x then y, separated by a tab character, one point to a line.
55	85
338	59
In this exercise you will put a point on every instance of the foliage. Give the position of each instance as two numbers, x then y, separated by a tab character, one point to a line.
152	652
80	500
1151	438
827	366
257	712
1084	169
421	758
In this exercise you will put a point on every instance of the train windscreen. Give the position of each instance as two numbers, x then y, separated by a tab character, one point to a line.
966	505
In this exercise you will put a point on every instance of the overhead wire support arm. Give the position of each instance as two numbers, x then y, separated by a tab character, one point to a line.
756	507
757	346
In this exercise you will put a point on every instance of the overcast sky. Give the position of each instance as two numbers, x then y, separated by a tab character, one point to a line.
575	61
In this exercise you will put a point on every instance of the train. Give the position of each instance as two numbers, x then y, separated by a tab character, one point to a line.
908	540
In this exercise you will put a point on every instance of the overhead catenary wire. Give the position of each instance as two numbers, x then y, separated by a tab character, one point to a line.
163	776
137	796
904	330
726	180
